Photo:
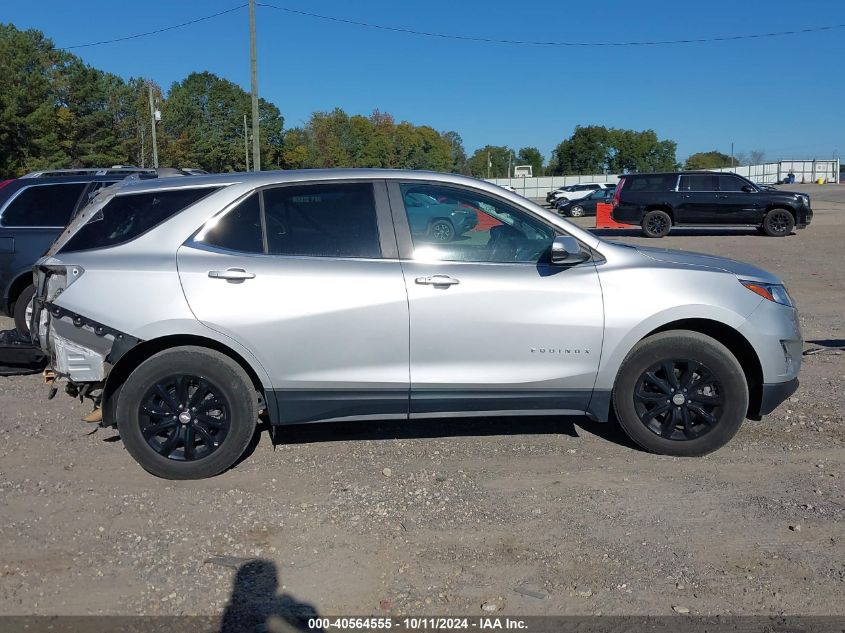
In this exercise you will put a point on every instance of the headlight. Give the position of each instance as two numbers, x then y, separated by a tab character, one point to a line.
772	292
806	199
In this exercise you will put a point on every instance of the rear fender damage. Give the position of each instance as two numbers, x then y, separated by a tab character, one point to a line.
83	350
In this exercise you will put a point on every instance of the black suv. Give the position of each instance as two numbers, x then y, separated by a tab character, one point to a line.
33	211
658	201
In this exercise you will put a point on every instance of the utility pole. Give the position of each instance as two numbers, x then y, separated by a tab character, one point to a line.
246	145
488	164
732	155
256	154
153	127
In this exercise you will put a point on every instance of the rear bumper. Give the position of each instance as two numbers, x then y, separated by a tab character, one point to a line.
775	393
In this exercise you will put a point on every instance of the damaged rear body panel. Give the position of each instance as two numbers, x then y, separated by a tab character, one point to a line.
80	349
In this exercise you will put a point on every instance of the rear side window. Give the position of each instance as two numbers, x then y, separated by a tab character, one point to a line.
699	182
651	183
326	220
126	217
239	230
43	205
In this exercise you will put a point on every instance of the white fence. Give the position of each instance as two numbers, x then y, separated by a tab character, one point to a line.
539	187
806	171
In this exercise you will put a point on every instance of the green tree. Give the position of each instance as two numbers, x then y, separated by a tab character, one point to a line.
202	124
708	160
498	157
457	153
27	130
531	156
593	149
630	151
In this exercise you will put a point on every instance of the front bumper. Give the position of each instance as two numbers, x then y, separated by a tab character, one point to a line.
774	394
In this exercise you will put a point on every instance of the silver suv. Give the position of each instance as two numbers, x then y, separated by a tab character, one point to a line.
192	308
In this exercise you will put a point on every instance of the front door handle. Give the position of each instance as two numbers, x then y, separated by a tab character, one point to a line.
231	274
438	281
718	196
686	195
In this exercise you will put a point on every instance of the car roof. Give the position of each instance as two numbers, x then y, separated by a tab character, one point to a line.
264	178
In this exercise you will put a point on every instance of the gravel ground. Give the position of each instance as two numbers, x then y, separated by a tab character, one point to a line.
523	516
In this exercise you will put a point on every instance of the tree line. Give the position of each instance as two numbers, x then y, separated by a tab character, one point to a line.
56	111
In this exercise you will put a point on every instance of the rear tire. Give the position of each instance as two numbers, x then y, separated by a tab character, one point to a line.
656	223
21	308
442	231
187	413
778	223
680	393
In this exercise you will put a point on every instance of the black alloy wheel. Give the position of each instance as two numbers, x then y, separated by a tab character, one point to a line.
184	417
680	393
678	399
656	223
778	223
186	412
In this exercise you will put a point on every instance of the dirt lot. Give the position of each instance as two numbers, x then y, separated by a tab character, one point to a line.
535	516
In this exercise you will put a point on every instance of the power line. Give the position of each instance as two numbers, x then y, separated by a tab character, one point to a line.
491	40
157	31
467	38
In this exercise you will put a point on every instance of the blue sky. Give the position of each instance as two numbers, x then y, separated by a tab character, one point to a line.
783	95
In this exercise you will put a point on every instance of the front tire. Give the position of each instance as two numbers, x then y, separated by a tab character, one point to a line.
187	413
680	393
577	211
778	223
22	310
656	223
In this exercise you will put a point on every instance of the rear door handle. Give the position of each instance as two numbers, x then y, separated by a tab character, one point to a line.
231	274
441	281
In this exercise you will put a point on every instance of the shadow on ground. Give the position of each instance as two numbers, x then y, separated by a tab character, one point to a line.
444	428
682	232
255	604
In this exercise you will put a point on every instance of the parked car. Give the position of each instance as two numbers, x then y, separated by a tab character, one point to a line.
657	202
586	205
193	307
575	192
33	211
441	220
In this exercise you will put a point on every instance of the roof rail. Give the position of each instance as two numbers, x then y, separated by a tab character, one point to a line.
89	171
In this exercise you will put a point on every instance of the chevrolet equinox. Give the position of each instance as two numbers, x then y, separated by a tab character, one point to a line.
188	309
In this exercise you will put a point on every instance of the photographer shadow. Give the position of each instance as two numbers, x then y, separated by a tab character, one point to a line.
255	605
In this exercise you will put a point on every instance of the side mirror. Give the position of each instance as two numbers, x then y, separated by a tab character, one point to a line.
566	250
748	188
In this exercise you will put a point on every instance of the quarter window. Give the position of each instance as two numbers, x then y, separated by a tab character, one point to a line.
461	225
126	217
44	205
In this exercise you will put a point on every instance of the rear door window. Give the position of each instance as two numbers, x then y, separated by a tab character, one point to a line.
44	205
126	217
239	230
699	182
324	220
